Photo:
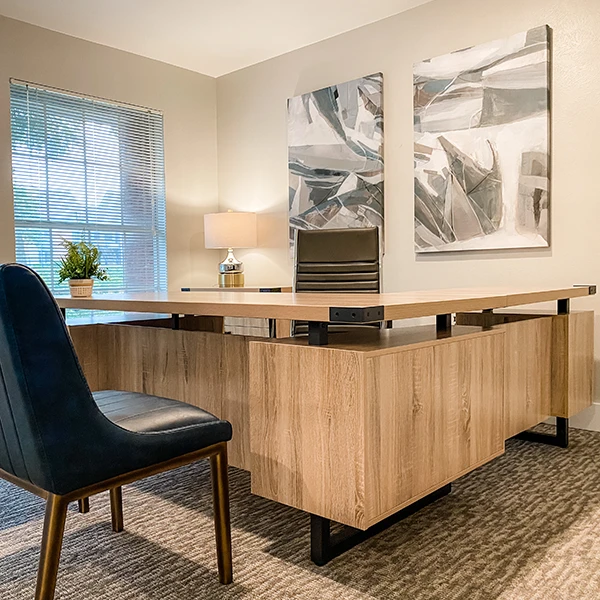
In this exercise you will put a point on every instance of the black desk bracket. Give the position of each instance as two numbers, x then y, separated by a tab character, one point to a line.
318	331
368	314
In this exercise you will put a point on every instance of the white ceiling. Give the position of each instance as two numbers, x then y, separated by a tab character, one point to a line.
213	37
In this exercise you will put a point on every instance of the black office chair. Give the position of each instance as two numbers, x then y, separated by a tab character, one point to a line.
56	442
337	260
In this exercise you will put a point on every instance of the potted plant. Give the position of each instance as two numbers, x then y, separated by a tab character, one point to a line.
80	266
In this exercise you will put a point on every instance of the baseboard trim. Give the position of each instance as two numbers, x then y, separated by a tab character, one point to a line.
588	419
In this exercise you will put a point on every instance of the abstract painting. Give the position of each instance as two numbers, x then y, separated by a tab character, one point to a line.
335	141
482	122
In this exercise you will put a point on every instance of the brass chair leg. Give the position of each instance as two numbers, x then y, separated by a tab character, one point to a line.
116	508
54	528
220	488
84	505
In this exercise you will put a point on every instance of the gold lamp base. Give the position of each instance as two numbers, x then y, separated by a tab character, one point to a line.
229	280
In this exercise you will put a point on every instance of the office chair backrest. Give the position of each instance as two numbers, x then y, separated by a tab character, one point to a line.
338	260
46	407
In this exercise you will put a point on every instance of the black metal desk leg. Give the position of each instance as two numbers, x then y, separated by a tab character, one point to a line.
562	432
443	325
564	306
325	546
560	438
175	321
320	540
318	333
487	318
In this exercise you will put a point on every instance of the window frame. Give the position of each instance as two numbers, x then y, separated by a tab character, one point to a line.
144	145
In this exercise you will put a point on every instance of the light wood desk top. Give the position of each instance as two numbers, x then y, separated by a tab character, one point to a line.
325	307
273	289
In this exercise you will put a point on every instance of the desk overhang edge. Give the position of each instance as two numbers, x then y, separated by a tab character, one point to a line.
332	314
249	310
427	309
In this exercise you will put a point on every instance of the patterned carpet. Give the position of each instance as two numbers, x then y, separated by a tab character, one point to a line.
526	526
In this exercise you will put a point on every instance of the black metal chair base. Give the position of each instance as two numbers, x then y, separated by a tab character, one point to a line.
325	546
560	438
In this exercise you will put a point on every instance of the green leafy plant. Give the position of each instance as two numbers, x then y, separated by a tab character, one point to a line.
82	261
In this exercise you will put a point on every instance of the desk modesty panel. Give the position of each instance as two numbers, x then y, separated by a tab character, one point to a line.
326	307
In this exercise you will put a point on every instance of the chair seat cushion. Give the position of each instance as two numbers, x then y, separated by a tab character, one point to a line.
143	430
143	413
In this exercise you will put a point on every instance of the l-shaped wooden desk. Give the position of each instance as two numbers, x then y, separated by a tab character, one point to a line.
365	426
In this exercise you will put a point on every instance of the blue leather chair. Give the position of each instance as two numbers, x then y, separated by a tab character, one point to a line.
60	443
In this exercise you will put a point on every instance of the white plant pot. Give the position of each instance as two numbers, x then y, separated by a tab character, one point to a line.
81	288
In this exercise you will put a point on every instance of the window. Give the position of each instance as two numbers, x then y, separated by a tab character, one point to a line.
85	168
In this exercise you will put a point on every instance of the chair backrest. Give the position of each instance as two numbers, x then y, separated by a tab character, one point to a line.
337	260
46	407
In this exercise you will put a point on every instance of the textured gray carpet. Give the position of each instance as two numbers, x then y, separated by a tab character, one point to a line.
526	526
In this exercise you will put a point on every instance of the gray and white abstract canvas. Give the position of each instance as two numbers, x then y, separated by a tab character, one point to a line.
335	140
482	146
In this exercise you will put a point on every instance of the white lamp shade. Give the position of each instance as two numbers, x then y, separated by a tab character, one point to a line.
230	230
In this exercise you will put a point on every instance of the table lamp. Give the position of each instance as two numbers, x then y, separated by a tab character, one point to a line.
230	230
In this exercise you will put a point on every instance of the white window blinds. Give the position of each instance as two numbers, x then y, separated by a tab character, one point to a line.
89	169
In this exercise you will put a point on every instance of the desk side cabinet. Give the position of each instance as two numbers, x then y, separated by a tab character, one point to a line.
356	431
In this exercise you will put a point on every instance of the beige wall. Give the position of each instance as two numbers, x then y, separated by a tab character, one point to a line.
253	149
187	99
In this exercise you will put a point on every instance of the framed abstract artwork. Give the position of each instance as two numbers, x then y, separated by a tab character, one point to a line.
482	146
335	156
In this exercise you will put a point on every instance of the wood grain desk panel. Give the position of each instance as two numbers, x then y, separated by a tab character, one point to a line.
436	414
316	307
550	364
90	353
374	342
528	366
572	363
308	440
528	370
208	370
371	431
